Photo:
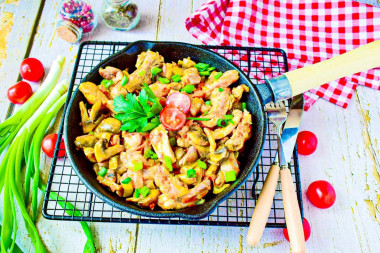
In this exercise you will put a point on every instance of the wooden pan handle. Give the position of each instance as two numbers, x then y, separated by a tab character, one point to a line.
292	213
360	59
263	206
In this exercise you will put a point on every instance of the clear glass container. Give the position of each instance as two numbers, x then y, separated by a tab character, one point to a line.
121	15
77	17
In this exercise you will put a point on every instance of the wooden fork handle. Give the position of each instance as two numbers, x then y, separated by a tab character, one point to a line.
292	213
263	206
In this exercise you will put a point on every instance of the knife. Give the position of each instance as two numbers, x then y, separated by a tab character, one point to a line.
265	200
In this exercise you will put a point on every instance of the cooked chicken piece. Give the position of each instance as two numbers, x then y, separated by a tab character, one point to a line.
167	70
90	154
168	184
219	154
115	140
111	73
230	164
241	133
205	108
222	132
167	203
177	70
197	137
86	141
149	183
211	140
132	141
182	139
237	92
110	125
92	93
179	153
160	89
186	63
228	78
191	76
211	172
148	174
221	102
132	157
136	178
196	104
190	157
198	192
103	153
161	145
117	90
115	164
146	61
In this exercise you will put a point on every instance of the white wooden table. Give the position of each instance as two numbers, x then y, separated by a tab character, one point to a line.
347	155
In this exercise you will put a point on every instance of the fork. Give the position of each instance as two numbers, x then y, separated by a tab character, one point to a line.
277	115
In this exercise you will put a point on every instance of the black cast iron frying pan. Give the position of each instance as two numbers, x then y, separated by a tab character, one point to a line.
280	88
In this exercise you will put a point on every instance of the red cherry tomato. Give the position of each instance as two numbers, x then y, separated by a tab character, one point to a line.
32	69
48	145
172	118
321	194
179	100
19	93
306	230
306	143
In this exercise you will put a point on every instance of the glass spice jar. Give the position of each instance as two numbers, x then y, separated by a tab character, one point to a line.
120	14
76	18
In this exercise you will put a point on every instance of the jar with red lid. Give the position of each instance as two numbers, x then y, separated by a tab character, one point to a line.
77	17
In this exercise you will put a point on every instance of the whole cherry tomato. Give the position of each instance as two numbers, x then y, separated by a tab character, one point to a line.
48	145
306	143
172	118
19	93
306	230
31	69
321	194
179	100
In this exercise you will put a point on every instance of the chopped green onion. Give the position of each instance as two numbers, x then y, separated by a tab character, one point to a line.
176	78
168	163
106	83
172	141
137	166
228	116
191	173
205	113
156	70
91	133
124	81
137	193
230	176
231	121
200	119
188	88
163	80
220	89
126	180
148	153
142	72
144	191
201	65
202	164
204	73
210	68
244	106
208	103
200	202
217	76
221	123
102	172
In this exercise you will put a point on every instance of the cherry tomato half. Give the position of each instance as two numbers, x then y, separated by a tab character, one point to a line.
179	100
321	194
306	143
306	230
32	69
19	93
48	145
172	118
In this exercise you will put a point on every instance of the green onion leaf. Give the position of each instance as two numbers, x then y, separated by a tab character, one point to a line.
172	141
163	80
142	72
217	76
220	89
205	113
208	103
188	88
221	123
204	73
137	166
148	153
228	116
124	81
168	163
91	133
244	106
200	202
202	164
102	172
191	173
176	78
144	191
210	68
137	193
201	65
126	180
230	176
231	121
156	70
200	119
106	83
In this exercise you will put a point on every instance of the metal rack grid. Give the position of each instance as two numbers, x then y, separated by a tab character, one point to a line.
258	64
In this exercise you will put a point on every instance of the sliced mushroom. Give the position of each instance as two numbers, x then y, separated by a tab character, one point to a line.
211	172
150	200
219	154
179	153
211	139
198	138
103	153
204	151
110	125
190	157
86	141
89	122
92	93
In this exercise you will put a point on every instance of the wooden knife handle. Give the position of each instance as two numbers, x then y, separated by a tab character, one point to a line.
263	206
360	59
292	213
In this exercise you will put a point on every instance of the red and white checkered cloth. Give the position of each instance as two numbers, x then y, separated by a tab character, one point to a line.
309	31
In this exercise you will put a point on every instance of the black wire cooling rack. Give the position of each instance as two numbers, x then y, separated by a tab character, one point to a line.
258	63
